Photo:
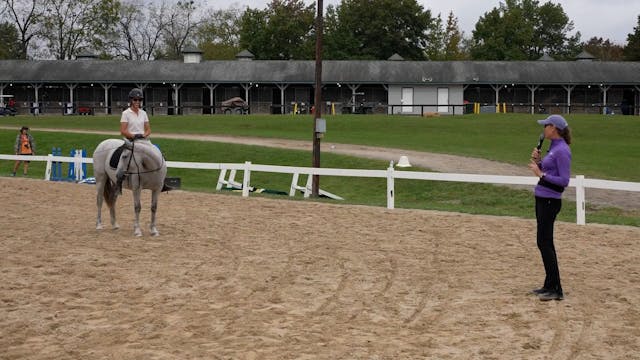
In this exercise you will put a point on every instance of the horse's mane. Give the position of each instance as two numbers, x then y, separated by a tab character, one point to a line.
148	149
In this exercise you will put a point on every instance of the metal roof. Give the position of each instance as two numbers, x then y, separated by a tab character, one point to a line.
295	71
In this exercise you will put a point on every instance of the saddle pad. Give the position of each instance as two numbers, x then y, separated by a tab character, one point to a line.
115	157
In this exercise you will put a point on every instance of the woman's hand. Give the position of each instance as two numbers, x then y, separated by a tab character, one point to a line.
535	169
535	155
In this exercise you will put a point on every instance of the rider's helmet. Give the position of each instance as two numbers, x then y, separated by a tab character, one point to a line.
136	93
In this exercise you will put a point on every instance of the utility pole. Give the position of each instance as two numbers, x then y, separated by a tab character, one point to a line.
315	184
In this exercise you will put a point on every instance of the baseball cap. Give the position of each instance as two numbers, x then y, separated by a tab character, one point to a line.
555	120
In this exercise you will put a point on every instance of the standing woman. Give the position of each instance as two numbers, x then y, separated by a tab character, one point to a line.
554	171
24	146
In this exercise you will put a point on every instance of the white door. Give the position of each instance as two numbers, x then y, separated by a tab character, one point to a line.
443	100
407	100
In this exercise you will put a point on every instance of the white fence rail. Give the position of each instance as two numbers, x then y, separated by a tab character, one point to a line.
579	182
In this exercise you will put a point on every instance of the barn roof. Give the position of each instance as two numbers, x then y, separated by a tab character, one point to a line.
295	71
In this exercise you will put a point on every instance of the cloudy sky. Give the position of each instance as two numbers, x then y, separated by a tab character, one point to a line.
609	19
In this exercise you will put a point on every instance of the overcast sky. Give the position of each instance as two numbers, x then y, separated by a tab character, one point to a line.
609	19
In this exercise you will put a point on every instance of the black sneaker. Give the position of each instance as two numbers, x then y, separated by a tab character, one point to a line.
551	295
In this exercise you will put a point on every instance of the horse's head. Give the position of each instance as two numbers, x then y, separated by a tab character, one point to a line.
141	154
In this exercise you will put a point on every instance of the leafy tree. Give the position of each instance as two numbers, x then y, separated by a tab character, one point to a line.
376	29
73	26
10	40
524	30
447	41
284	30
434	49
138	32
632	50
454	47
218	37
178	28
604	50
26	15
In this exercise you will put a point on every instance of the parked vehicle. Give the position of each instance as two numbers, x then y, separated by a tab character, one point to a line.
235	105
7	111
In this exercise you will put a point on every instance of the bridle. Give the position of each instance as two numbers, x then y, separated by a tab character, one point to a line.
132	158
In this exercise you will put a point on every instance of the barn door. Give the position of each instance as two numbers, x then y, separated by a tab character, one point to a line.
407	100
443	100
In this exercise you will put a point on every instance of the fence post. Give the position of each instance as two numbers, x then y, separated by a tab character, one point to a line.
246	179
390	186
294	184
307	187
580	203
47	171
223	174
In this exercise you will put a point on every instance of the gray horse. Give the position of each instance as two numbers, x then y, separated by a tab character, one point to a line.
145	169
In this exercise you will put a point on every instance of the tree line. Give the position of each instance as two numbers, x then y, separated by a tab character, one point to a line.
284	29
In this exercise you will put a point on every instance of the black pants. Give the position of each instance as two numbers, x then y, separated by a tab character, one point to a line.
546	211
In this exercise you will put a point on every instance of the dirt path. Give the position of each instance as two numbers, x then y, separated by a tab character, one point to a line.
257	278
434	161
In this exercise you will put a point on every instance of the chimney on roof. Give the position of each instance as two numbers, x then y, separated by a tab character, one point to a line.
585	56
245	55
192	55
395	57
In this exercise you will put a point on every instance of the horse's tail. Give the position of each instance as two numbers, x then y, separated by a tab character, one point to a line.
109	193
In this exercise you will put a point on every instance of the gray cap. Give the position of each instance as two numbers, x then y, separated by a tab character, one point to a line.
555	120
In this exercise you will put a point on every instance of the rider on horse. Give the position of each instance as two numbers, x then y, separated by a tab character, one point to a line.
134	126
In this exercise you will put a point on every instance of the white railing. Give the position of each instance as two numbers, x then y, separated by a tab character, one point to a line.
580	183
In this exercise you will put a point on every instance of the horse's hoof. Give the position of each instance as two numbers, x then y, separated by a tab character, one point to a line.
99	227
137	233
115	227
155	233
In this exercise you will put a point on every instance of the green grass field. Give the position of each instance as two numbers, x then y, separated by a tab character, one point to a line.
604	147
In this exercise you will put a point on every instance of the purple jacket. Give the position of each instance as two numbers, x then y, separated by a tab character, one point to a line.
557	168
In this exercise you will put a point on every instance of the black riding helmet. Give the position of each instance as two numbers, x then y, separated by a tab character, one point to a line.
136	93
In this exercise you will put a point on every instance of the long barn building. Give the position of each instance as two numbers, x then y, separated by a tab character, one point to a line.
394	86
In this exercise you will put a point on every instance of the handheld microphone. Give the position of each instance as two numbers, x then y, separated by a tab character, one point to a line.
540	140
539	146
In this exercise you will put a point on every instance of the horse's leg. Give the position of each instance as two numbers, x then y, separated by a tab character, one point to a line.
112	204
112	214
154	206
99	199
137	207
